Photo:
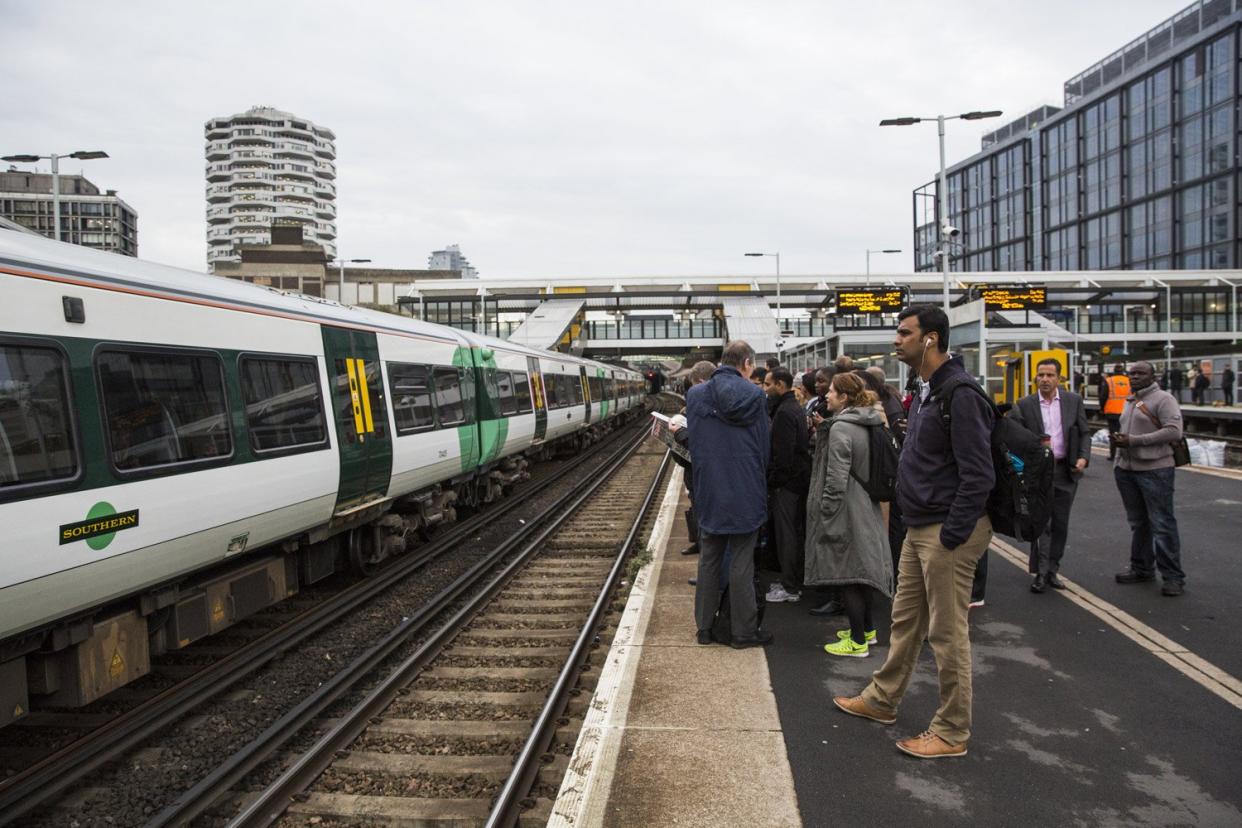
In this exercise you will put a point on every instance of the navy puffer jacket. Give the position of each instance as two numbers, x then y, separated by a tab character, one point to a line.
727	421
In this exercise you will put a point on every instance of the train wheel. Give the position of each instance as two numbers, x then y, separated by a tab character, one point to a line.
365	550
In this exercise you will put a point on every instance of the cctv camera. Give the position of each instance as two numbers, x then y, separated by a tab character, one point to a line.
949	230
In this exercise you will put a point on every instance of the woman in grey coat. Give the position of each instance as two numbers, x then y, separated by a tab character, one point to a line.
847	545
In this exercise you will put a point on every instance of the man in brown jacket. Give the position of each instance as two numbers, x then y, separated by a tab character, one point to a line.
1151	423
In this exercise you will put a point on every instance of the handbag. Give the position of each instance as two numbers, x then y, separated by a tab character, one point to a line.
1181	449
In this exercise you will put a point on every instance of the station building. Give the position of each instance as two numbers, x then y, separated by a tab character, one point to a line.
1137	170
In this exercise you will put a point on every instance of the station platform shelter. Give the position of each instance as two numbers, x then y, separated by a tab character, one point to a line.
1169	315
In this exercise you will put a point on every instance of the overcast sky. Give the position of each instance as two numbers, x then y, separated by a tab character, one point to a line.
555	138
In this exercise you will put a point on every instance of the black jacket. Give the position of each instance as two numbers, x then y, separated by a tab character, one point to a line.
790	466
1073	424
943	480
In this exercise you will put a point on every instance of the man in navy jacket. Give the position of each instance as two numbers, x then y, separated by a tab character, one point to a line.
944	478
727	420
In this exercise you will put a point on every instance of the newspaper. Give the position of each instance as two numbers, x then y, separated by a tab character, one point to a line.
661	431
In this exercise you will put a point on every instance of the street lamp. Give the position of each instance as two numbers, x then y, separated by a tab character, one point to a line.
777	256
341	288
81	155
869	252
946	230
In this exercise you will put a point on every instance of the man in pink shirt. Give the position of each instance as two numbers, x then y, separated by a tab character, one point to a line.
1060	416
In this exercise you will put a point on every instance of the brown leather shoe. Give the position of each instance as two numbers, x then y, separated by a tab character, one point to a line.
928	745
855	706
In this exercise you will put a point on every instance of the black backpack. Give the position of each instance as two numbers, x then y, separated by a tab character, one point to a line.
881	482
1020	503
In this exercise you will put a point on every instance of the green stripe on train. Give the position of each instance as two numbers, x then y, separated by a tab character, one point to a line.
482	440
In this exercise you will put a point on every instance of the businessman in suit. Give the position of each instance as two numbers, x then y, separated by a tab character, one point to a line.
1060	416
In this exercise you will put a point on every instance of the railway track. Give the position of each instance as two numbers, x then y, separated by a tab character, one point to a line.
434	739
47	780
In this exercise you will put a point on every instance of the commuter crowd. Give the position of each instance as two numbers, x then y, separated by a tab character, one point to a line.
859	496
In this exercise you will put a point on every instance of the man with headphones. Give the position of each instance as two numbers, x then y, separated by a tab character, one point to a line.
943	481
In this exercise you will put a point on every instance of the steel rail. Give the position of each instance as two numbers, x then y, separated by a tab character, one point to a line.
60	771
268	807
508	807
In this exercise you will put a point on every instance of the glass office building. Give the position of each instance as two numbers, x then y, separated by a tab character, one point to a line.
1138	170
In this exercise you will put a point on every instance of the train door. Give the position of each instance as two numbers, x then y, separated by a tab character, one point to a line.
538	399
361	417
586	394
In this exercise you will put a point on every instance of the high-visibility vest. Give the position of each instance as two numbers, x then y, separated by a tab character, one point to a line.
1118	390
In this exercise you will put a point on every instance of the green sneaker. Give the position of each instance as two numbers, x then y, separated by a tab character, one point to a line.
847	647
868	636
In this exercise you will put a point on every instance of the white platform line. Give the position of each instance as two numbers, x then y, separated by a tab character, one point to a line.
1202	671
584	790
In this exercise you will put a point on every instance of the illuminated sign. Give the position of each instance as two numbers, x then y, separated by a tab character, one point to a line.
871	300
1023	297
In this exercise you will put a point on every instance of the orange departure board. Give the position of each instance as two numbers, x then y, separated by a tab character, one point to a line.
1014	297
871	300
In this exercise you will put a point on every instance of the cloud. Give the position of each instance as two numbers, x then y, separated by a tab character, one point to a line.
554	138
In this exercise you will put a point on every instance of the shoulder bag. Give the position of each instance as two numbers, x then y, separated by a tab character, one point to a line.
1181	449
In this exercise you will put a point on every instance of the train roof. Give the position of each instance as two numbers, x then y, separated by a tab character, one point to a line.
35	255
44	258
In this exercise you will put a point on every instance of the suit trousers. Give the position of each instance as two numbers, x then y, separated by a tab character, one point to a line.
743	612
932	602
788	510
1048	548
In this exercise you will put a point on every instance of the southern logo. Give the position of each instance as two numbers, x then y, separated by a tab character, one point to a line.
100	527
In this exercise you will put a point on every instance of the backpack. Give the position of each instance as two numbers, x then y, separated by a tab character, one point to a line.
1020	503
881	482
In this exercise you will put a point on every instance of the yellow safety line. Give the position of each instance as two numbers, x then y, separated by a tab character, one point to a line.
366	395
353	393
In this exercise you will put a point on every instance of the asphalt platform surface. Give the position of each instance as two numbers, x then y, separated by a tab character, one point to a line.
1074	724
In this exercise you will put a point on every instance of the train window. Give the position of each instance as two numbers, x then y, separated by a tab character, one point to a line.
597	388
448	397
504	393
564	391
521	389
411	397
164	408
549	390
465	377
283	406
36	430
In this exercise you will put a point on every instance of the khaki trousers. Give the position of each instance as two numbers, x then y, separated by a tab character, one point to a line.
932	602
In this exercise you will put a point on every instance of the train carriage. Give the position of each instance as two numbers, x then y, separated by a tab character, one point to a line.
178	451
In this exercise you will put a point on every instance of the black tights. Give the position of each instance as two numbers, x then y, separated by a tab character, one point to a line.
858	599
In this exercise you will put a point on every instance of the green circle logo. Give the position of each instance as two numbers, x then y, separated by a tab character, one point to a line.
102	509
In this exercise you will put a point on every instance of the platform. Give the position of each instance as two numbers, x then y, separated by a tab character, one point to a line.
1104	705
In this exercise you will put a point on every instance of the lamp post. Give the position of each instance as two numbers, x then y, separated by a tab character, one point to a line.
341	284
777	256
869	252
946	230
81	155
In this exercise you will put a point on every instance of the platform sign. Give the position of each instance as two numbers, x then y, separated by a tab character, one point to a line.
1014	297
871	300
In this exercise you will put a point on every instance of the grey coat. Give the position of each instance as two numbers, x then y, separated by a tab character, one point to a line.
846	542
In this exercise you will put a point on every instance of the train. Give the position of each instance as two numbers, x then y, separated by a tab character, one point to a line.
179	451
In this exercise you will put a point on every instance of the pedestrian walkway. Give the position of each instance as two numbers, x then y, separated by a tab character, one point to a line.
1090	707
